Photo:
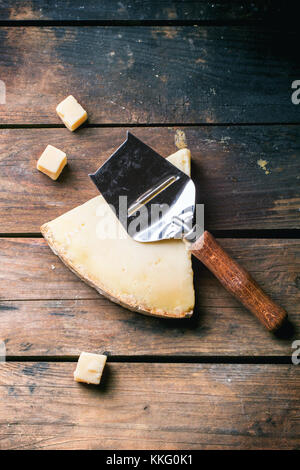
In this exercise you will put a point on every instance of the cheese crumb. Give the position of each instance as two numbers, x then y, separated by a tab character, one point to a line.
263	165
89	368
71	113
180	139
52	161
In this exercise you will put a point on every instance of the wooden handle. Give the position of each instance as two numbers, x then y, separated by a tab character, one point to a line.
238	281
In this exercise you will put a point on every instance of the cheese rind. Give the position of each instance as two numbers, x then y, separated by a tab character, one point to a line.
150	278
71	113
52	161
89	368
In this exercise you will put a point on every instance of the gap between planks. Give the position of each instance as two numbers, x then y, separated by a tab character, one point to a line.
152	125
239	233
164	359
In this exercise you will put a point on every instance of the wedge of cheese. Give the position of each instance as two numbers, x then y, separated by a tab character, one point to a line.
150	278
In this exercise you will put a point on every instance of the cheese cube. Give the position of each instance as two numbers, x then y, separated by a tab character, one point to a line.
71	113
89	368
52	162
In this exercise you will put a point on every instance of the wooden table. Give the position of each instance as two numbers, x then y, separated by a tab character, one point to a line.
221	72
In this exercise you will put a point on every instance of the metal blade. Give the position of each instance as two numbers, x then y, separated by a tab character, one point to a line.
151	197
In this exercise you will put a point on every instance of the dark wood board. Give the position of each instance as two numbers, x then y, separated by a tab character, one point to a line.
236	191
182	74
139	10
150	406
46	310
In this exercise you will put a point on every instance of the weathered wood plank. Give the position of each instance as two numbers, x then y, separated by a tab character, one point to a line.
150	406
170	10
236	191
46	310
150	74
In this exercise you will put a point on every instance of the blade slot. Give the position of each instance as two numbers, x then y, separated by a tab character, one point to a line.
150	194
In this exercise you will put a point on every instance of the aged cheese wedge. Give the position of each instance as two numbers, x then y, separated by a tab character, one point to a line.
150	278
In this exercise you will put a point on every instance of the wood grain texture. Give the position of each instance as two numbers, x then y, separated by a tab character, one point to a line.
125	74
236	191
159	10
150	406
46	310
184	74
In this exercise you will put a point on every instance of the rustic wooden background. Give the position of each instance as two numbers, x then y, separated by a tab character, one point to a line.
221	72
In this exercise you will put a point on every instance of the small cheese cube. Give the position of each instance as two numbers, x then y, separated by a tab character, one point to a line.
89	368
71	113
52	162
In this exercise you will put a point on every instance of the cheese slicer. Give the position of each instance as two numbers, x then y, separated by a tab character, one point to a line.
155	201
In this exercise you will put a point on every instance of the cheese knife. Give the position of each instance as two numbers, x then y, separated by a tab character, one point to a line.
155	201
